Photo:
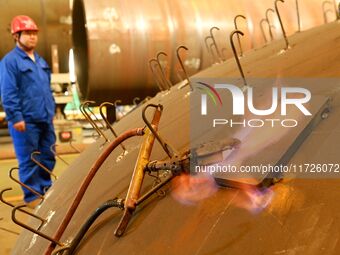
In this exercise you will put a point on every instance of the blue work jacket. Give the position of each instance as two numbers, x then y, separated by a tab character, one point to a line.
25	88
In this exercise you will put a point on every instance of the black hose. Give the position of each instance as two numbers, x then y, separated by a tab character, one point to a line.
119	203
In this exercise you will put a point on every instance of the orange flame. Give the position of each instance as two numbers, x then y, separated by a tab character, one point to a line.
189	190
254	200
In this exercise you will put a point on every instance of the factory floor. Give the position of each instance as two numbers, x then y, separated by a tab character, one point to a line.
8	230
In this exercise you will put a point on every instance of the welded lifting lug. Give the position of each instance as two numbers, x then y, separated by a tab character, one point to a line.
298	15
43	221
281	24
10	173
182	65
108	125
236	56
214	42
155	74
262	29
54	151
41	165
238	36
73	147
269	24
167	82
37	232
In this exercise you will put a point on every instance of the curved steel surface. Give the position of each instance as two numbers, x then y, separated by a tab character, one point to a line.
302	218
53	19
115	39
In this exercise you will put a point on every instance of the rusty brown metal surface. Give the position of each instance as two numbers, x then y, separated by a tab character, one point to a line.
54	21
114	40
302	218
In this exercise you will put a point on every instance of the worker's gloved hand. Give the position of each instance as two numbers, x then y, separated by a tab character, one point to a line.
20	126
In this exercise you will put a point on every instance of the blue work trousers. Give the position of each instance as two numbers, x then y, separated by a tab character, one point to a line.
37	137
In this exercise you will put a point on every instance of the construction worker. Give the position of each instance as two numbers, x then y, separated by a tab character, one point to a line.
29	106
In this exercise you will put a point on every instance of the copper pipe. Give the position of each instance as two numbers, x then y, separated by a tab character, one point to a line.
270	27
138	173
22	210
54	151
154	74
86	182
214	41
41	165
92	122
161	68
182	65
23	184
298	15
236	55
281	24
16	221
262	29
108	123
238	36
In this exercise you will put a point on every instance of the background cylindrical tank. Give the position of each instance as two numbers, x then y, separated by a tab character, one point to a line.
53	19
114	39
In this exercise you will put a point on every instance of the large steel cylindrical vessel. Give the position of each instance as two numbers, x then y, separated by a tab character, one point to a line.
114	39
